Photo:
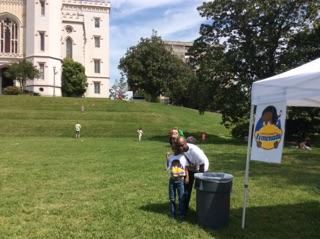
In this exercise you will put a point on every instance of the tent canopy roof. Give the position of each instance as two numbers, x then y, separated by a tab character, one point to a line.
297	87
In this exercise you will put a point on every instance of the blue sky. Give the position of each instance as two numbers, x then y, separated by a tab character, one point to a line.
176	20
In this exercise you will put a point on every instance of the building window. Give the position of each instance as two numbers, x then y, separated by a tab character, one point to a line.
97	41
41	70
43	7
69	46
8	36
42	45
97	22
96	87
97	63
69	29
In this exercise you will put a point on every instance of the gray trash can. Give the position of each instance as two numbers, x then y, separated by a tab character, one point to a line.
213	198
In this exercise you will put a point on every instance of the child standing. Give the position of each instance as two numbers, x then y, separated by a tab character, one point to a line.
173	135
178	176
140	133
77	128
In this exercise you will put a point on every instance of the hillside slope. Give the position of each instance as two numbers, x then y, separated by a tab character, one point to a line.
40	116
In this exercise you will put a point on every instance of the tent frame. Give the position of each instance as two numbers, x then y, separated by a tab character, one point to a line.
292	87
246	177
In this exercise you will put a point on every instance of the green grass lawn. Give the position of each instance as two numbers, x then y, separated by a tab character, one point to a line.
108	185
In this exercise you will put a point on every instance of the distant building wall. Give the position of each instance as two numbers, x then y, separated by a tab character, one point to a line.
178	48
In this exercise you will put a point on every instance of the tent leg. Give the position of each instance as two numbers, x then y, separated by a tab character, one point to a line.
246	177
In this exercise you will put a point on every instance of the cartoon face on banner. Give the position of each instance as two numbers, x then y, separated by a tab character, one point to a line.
268	131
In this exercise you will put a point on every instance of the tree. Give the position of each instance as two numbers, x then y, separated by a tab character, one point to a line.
244	41
74	79
303	47
150	67
21	72
118	90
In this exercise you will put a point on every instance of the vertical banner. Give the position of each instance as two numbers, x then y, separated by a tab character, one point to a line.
268	133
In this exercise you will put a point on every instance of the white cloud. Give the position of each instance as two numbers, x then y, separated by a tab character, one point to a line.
127	7
141	3
178	21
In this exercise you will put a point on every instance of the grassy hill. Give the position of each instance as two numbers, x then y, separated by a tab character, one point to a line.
39	116
109	185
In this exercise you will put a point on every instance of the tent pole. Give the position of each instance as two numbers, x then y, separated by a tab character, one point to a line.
246	177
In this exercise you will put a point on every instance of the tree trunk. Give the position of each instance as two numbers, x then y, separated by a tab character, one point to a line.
154	98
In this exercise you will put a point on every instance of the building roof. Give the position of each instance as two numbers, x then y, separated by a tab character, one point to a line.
182	43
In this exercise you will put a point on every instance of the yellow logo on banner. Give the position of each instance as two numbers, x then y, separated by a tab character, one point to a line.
268	132
268	137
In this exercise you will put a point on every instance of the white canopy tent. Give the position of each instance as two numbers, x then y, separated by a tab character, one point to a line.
297	87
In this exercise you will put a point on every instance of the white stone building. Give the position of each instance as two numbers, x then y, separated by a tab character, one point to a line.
46	31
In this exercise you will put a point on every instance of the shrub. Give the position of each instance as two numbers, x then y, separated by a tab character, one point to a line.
11	90
74	79
28	92
241	130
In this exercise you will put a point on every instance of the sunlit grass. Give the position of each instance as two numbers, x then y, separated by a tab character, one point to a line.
108	185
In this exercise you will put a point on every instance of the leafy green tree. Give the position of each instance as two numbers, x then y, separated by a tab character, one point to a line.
74	79
21	72
244	41
303	47
150	67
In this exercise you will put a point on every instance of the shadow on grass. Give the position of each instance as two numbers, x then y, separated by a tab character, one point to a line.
211	139
280	221
163	208
298	168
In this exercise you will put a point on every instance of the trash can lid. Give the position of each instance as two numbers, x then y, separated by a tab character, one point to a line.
219	177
